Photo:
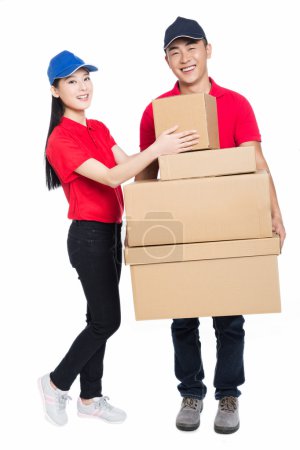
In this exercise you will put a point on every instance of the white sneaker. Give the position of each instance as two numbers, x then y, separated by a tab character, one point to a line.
54	401
101	409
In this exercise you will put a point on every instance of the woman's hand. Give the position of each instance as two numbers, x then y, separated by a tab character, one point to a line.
167	143
171	143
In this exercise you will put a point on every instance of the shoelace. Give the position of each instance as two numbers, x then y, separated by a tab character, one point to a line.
228	404
103	404
62	400
190	403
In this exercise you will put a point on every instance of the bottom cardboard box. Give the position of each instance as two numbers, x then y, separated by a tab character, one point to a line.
207	287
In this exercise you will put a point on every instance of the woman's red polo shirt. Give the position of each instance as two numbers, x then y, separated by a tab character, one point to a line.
71	144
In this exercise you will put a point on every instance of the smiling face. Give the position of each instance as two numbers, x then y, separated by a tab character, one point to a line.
75	91
187	58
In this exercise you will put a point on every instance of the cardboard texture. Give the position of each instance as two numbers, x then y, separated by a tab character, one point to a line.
207	163
198	210
215	286
189	112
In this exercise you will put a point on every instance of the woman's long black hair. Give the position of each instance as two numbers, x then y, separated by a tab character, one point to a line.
57	111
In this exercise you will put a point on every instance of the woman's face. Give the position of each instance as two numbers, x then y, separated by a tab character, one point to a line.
75	91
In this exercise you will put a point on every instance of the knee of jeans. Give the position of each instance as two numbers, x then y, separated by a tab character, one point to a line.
115	326
105	329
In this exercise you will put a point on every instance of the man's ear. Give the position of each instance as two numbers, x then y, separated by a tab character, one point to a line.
54	92
208	49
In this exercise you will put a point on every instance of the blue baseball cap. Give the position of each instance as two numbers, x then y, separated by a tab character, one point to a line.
182	27
64	64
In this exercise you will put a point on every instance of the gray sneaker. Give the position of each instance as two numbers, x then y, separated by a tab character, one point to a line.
54	401
227	418
188	418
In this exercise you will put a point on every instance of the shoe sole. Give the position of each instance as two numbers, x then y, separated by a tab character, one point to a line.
188	427
226	430
41	391
88	416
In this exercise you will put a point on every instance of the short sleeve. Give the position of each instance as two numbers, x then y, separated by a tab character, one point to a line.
246	124
147	130
110	140
105	133
65	155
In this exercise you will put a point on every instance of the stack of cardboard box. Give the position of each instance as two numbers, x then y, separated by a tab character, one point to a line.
199	240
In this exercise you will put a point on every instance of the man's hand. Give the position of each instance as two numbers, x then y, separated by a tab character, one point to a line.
278	228
261	163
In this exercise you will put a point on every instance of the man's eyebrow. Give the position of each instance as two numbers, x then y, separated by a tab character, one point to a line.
191	41
172	48
188	42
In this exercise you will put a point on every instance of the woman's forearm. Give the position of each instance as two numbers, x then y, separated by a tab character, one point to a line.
133	165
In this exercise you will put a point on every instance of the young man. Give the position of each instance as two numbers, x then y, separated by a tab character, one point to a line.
186	53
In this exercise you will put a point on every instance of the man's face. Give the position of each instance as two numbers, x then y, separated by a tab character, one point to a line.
187	58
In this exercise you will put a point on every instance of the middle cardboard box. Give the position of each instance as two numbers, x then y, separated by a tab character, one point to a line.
207	163
198	210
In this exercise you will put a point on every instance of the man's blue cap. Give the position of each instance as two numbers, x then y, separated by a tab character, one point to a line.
183	28
64	64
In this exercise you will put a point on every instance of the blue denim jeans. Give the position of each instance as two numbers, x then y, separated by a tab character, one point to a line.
95	251
229	370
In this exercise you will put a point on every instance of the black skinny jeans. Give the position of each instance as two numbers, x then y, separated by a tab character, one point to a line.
95	251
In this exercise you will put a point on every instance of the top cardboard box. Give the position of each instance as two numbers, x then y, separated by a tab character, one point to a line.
189	112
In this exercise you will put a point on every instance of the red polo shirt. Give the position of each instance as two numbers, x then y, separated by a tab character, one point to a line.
71	144
236	119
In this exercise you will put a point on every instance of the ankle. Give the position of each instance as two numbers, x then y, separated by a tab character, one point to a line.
53	385
86	401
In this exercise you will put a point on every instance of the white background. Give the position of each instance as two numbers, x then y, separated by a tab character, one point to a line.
255	52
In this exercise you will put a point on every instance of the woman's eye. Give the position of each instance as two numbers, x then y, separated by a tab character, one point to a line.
72	81
87	79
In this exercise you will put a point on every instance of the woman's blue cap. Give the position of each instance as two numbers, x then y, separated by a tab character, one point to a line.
64	64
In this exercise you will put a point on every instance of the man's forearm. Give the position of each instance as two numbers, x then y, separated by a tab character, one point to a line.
275	210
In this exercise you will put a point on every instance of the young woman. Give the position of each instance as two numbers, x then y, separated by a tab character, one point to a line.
83	158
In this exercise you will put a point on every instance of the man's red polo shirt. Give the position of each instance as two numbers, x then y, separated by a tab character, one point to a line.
71	144
236	119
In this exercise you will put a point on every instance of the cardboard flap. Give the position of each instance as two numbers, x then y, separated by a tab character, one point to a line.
205	250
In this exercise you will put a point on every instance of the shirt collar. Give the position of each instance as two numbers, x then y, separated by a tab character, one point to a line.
215	90
72	125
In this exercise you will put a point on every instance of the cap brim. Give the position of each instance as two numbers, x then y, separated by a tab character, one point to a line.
184	36
67	72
